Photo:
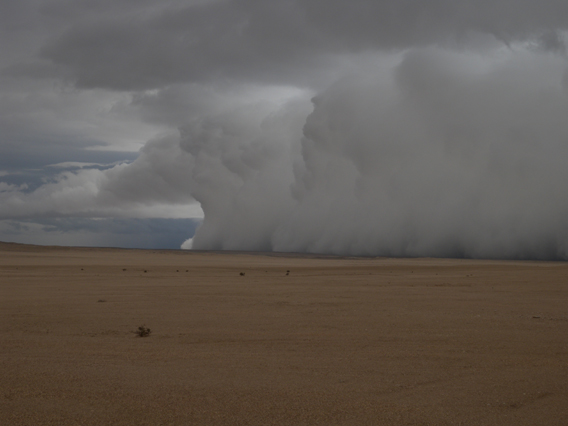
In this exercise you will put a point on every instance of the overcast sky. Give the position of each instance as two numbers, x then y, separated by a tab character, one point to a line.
393	127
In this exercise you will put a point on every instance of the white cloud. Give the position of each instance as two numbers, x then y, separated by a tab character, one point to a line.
187	244
99	193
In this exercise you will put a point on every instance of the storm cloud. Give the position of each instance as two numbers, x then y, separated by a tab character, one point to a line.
394	128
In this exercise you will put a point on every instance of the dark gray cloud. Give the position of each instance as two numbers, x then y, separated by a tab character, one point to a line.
280	42
209	41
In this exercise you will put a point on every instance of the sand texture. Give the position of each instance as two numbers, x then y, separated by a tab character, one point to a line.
334	342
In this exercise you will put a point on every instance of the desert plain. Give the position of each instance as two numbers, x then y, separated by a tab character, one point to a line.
257	339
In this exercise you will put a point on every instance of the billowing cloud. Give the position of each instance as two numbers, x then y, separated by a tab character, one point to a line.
407	128
152	186
445	155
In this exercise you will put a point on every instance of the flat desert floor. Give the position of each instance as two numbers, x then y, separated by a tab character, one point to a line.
236	339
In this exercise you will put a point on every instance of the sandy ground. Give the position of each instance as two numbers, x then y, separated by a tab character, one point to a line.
334	342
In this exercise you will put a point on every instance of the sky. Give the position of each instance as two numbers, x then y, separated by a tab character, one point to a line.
374	128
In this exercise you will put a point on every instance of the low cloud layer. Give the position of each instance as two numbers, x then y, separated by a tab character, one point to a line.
276	42
395	128
85	232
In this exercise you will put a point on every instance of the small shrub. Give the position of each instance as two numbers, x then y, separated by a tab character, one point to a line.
143	331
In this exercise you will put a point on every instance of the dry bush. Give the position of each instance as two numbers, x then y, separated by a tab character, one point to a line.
143	331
